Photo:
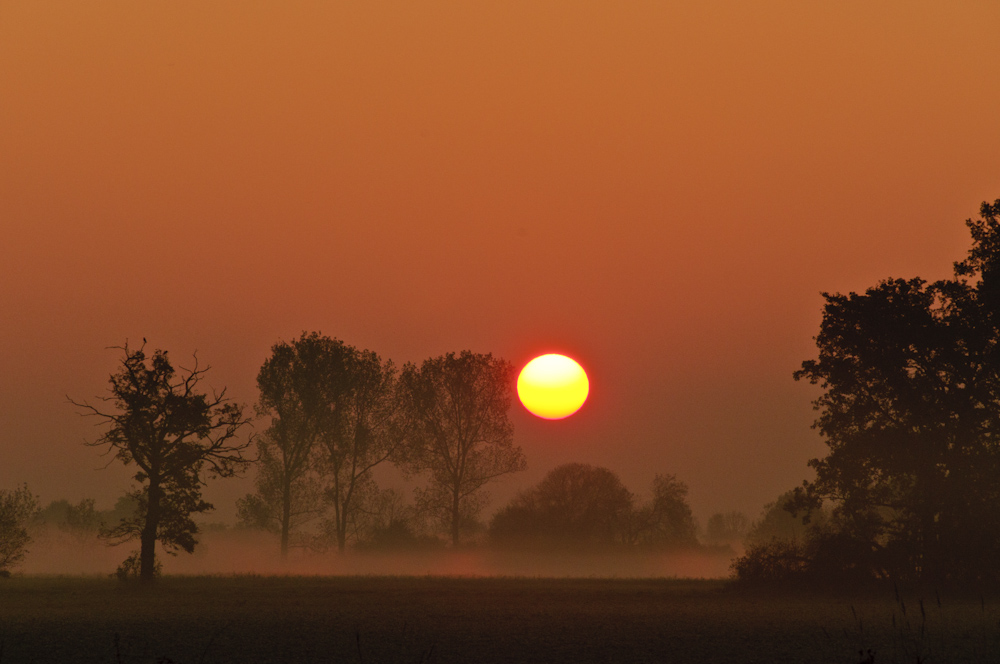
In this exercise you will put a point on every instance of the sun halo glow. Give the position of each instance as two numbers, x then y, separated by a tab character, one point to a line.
553	386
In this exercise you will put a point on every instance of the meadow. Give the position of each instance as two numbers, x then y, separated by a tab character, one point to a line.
214	619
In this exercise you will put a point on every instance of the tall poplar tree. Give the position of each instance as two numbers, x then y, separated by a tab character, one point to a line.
460	433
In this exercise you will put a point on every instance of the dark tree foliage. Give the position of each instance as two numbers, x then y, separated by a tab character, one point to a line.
173	433
17	509
460	433
300	385
335	416
370	428
579	506
910	373
774	562
575	505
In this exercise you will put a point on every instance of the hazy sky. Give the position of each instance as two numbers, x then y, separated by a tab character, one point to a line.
660	189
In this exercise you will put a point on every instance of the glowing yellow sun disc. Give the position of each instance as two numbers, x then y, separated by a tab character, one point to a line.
553	386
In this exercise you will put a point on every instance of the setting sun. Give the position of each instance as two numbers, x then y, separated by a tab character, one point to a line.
553	386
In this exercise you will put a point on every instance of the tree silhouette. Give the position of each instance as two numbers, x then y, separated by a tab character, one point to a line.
173	433
460	434
17	507
667	520
909	411
335	416
574	505
286	495
579	505
367	430
299	385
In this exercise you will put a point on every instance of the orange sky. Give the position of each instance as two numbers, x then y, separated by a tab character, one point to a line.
660	189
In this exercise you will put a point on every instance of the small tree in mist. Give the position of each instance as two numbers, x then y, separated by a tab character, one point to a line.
389	523
161	423
82	520
17	509
780	520
460	435
726	528
666	521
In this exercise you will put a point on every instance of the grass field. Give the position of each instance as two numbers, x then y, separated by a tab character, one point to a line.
188	620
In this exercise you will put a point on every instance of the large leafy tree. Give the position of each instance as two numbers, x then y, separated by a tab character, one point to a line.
369	430
300	385
460	434
175	435
910	409
335	416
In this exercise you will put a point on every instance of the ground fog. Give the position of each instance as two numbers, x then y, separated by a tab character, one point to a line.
245	552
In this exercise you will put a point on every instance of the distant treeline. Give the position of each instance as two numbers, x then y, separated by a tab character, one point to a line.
576	507
328	415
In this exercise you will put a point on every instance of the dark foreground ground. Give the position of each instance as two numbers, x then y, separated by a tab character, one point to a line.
190	620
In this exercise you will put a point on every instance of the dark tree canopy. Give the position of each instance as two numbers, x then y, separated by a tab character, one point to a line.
334	416
575	505
460	434
580	506
368	430
299	385
174	434
910	373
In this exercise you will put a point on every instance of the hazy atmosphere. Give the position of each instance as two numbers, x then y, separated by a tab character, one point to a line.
661	190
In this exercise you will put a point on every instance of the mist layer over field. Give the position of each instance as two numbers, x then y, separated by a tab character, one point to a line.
242	552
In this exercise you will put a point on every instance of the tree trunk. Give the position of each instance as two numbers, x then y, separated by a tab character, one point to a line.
455	518
286	516
341	527
147	540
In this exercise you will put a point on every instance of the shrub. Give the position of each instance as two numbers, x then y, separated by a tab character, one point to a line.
775	562
129	569
17	508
